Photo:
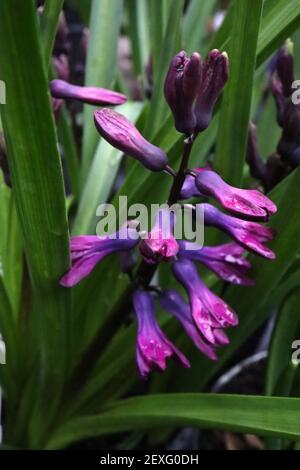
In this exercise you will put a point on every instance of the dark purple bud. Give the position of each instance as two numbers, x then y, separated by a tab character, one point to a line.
180	89
123	135
258	168
153	348
214	77
247	202
90	95
276	89
285	69
160	244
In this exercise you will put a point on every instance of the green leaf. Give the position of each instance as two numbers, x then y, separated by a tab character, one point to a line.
49	24
195	23
171	45
38	187
280	353
236	99
267	416
66	139
105	22
280	19
138	30
11	262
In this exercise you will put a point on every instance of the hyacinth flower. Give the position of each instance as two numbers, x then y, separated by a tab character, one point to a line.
160	244
214	77
192	87
180	89
250	235
123	135
250	203
172	302
189	188
210	313
90	95
226	261
88	250
153	348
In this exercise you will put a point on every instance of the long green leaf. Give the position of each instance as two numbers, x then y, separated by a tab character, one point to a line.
105	22
38	186
195	24
260	415
49	24
236	100
280	353
171	45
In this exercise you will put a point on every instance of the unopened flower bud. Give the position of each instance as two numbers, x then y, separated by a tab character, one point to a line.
123	135
214	77
180	89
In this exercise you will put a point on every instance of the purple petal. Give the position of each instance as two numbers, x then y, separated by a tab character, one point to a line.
123	135
90	95
180	89
247	202
153	347
215	76
250	235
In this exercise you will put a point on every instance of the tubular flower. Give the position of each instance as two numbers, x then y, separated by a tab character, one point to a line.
88	250
90	95
153	348
123	135
247	202
189	188
250	235
160	244
180	89
209	312
226	261
173	303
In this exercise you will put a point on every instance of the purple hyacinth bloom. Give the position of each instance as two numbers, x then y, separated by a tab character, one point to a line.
226	261
88	250
173	303
214	77
122	134
189	188
209	312
153	348
160	244
180	89
90	95
250	235
247	202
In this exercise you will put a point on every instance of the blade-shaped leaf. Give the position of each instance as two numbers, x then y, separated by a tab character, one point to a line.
236	99
38	185
251	414
105	22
